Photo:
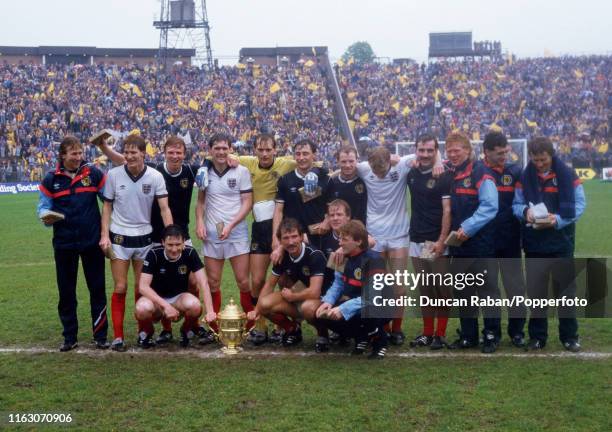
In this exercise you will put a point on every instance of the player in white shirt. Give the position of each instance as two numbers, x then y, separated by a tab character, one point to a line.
126	227
387	215
220	221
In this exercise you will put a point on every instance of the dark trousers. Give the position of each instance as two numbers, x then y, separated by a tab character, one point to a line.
66	267
510	265
540	269
357	327
468	315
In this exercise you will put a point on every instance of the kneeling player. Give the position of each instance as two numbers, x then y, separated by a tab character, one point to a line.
164	284
304	267
346	318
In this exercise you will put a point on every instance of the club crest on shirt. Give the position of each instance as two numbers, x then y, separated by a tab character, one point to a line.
146	189
554	181
507	180
184	183
357	273
86	181
118	239
254	246
274	174
359	188
182	269
394	176
467	182
306	270
231	183
430	183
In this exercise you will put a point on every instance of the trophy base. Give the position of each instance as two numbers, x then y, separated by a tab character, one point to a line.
231	350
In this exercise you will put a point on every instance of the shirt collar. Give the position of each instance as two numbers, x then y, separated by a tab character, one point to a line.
301	254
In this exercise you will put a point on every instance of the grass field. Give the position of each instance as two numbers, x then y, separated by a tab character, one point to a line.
135	391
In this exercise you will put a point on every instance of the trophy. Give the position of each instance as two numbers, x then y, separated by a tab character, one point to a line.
232	332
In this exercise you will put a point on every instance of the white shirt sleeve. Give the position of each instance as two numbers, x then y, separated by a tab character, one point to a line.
160	185
109	186
245	180
404	164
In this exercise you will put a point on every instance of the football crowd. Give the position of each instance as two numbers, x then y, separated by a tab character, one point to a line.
565	98
326	236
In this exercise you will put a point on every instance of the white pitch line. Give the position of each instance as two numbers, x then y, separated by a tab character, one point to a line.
27	264
247	354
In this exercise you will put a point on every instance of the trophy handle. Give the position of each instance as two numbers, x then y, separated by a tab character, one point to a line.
213	330
247	331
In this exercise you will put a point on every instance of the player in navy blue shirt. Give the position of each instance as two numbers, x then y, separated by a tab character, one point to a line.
507	232
164	284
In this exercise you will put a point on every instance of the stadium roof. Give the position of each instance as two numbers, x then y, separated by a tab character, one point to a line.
278	51
92	51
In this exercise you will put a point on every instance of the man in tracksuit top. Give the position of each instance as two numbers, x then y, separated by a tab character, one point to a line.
474	204
507	231
549	243
342	308
72	190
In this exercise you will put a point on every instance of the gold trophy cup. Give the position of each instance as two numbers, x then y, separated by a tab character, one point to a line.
232	331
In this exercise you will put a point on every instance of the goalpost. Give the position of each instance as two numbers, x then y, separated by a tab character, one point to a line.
517	154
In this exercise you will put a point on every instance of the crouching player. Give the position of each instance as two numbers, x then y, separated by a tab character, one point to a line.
346	318
164	284
302	267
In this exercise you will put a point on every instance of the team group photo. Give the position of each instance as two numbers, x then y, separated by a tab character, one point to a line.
309	236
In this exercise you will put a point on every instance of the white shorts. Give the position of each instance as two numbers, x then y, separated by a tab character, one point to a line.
383	244
127	254
225	250
172	300
416	249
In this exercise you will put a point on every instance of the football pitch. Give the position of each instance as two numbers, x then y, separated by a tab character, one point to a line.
271	388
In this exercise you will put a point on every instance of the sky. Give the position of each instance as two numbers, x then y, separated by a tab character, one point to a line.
394	28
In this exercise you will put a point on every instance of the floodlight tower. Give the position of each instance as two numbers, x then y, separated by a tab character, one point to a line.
184	24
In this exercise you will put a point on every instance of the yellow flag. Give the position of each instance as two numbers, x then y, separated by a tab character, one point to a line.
194	105
275	87
473	93
150	150
51	89
352	125
351	95
309	63
313	86
531	124
125	86
81	111
140	113
495	128
603	148
241	66
380	113
180	102
51	74
350	61
170	120
340	63
405	111
136	90
449	96
396	106
209	95
521	107
364	118
135	131
578	73
220	106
